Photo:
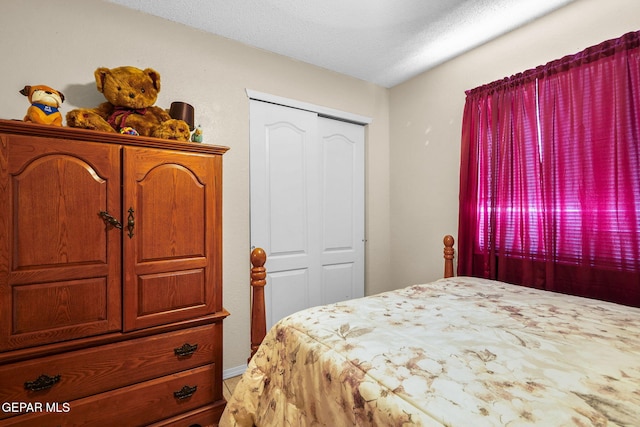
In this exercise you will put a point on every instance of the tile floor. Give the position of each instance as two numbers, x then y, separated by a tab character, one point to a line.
229	386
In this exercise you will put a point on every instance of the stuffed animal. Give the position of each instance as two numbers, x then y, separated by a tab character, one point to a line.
197	135
131	94
45	102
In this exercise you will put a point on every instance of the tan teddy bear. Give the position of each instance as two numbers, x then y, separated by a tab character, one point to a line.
131	94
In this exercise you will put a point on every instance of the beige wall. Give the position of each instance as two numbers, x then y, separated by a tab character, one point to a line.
426	116
77	36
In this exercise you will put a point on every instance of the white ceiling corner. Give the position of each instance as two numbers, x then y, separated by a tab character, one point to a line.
385	42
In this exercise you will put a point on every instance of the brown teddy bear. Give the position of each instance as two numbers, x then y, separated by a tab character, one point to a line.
131	94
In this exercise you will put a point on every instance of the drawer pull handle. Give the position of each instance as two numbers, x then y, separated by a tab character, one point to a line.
186	350
43	382
185	392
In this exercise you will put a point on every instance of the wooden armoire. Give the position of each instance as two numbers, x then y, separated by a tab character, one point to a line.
110	279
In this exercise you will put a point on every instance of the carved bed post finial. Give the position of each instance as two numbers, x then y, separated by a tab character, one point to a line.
258	312
448	255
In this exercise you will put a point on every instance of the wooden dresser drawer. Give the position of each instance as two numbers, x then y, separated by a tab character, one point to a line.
207	416
95	370
136	405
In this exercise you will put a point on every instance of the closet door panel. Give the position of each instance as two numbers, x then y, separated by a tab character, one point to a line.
342	190
307	207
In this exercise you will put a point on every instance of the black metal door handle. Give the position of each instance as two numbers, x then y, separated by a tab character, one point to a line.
131	223
108	219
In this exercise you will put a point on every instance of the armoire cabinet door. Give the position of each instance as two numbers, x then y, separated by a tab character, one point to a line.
171	213
62	278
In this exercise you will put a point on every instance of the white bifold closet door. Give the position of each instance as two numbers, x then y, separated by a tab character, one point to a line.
307	207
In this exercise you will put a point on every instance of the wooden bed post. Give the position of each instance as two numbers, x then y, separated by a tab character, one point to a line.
258	312
448	255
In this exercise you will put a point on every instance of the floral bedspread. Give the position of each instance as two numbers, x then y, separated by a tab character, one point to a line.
455	352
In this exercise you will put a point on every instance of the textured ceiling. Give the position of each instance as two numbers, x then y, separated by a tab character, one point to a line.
381	41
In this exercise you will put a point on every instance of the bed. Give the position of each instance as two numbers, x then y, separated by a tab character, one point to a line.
459	351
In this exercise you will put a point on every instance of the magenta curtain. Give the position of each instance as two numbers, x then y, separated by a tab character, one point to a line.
550	176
